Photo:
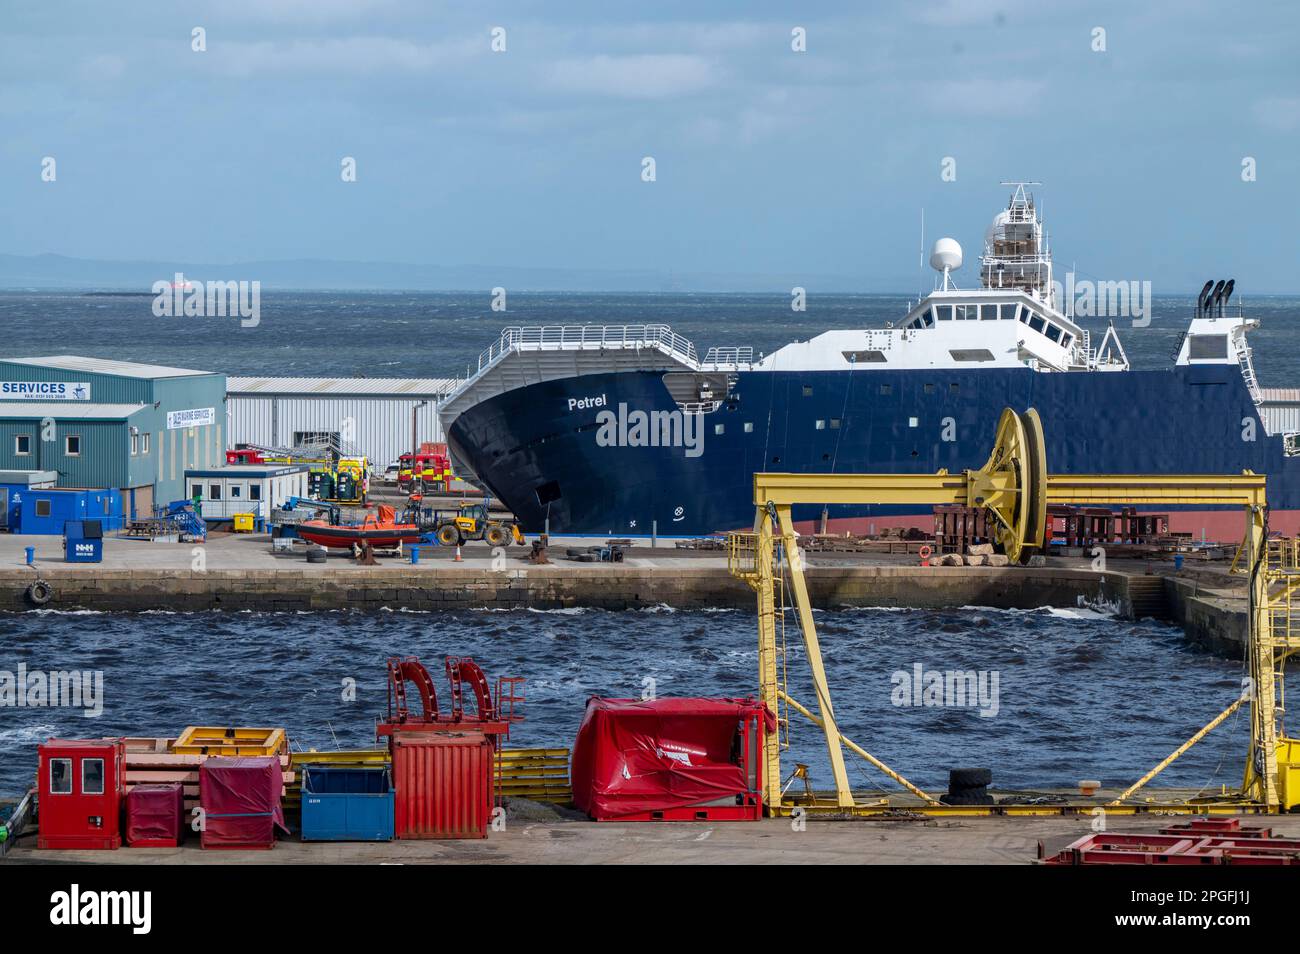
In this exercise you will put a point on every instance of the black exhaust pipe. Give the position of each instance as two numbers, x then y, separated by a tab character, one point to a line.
1200	300
1227	293
1213	301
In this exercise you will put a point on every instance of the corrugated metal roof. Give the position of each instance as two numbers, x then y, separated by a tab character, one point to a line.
396	387
69	410
1280	395
128	369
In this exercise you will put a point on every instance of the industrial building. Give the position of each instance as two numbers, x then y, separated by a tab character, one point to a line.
380	418
111	424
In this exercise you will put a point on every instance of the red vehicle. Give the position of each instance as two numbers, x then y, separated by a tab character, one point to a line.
429	469
245	455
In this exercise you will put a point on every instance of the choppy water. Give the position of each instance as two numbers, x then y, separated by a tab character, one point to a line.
1080	695
439	334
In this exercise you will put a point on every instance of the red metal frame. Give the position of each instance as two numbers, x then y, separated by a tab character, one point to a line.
1202	841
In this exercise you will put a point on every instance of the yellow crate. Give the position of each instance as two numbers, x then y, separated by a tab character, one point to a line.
222	740
243	522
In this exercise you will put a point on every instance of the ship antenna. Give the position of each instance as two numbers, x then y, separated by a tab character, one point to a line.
920	262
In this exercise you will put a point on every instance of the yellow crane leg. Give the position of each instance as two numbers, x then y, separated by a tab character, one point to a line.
815	720
1177	753
812	647
768	690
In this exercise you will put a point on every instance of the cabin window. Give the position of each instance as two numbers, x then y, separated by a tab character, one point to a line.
807	390
913	422
214	491
954	387
144	443
72	445
1207	347
886	389
235	492
835	423
971	354
92	776
1025	315
1054	333
254	491
1037	322
1007	312
749	427
42	508
1067	341
719	428
928	388
820	425
60	776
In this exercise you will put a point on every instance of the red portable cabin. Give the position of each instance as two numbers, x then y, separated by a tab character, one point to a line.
155	815
240	798
671	759
81	787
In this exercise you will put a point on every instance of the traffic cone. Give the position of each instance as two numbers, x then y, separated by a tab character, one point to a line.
458	559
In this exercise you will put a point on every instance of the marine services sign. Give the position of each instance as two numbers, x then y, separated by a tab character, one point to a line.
195	417
44	391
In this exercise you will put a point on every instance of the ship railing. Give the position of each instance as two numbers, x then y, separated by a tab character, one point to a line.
729	356
580	337
1291	443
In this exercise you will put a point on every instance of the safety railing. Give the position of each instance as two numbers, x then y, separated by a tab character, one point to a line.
578	337
742	555
729	356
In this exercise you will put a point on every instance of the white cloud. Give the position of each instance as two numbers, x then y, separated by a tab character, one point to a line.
641	76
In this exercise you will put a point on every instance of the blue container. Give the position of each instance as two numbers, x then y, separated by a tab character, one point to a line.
1178	561
346	804
415	554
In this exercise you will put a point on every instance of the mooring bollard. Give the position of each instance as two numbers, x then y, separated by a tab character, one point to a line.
31	555
415	554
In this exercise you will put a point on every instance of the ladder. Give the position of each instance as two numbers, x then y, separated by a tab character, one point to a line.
1247	367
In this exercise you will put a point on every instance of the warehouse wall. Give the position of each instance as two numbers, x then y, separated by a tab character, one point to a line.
380	427
101	463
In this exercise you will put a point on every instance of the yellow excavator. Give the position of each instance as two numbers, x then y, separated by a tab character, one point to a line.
472	522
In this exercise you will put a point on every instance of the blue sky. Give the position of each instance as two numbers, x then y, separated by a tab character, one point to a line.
767	160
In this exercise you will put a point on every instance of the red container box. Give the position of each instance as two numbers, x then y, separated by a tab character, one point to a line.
81	789
684	759
240	798
443	784
155	815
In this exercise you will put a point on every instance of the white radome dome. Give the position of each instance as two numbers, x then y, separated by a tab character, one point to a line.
946	254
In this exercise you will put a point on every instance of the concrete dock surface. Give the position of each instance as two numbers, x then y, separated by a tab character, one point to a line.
564	841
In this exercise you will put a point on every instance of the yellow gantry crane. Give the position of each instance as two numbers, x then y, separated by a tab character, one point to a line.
1015	488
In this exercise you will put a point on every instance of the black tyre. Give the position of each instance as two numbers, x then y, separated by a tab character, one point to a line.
496	536
448	536
40	593
315	555
969	778
969	797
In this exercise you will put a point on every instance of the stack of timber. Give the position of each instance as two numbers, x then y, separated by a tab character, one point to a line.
155	761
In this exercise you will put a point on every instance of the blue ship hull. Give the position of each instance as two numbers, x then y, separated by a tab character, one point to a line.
543	460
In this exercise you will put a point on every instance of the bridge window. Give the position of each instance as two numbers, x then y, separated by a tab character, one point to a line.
1054	333
1008	312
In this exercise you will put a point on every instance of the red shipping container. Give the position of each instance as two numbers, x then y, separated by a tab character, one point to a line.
155	815
443	784
81	786
671	759
240	798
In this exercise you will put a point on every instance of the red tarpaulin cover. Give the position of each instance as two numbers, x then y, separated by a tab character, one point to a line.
240	798
633	756
155	815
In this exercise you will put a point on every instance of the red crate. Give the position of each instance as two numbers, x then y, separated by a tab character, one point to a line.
443	783
81	787
155	815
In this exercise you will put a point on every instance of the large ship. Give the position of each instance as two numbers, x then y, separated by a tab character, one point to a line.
625	430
